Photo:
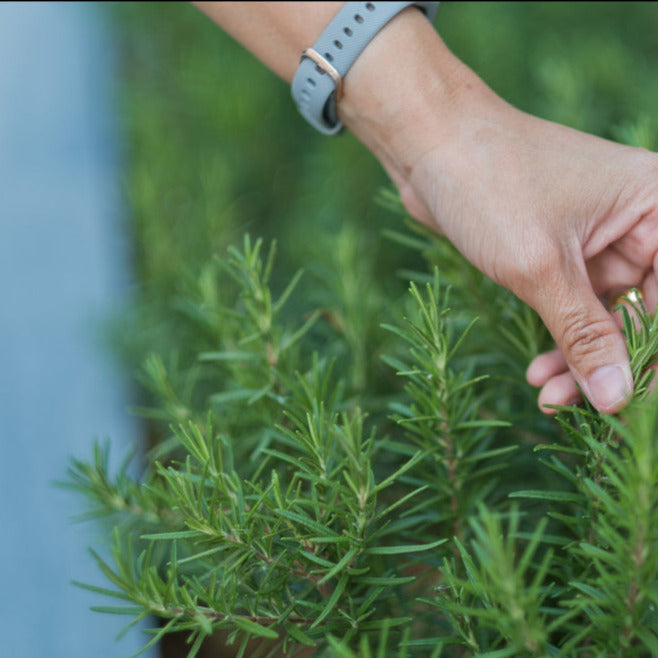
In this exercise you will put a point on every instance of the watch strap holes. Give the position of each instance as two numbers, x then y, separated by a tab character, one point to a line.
347	31
338	44
358	18
329	57
370	6
311	82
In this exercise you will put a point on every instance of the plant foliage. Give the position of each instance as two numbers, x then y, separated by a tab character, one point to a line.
289	507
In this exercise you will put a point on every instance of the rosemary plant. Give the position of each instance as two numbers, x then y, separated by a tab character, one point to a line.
289	504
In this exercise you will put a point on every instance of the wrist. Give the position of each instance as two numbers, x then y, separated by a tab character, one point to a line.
407	94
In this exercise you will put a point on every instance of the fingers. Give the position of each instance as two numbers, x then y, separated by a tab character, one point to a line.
589	339
545	366
650	291
560	390
610	271
638	245
550	371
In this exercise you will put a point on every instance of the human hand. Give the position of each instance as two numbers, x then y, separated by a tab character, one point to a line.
564	220
561	218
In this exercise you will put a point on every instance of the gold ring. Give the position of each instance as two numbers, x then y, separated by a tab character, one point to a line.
634	296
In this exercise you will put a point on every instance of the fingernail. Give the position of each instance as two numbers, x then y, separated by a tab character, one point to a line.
610	387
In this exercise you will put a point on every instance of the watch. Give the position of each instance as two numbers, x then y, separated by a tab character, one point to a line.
317	85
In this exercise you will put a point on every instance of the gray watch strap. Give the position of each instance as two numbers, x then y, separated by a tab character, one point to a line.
351	30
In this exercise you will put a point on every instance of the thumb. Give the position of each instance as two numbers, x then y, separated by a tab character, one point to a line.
588	337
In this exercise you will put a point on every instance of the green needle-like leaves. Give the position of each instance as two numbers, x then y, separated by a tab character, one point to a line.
282	513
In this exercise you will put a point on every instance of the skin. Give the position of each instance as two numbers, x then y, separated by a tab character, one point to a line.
561	218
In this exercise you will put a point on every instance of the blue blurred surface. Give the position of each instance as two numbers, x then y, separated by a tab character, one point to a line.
63	271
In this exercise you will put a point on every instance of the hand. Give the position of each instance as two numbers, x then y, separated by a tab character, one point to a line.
559	217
